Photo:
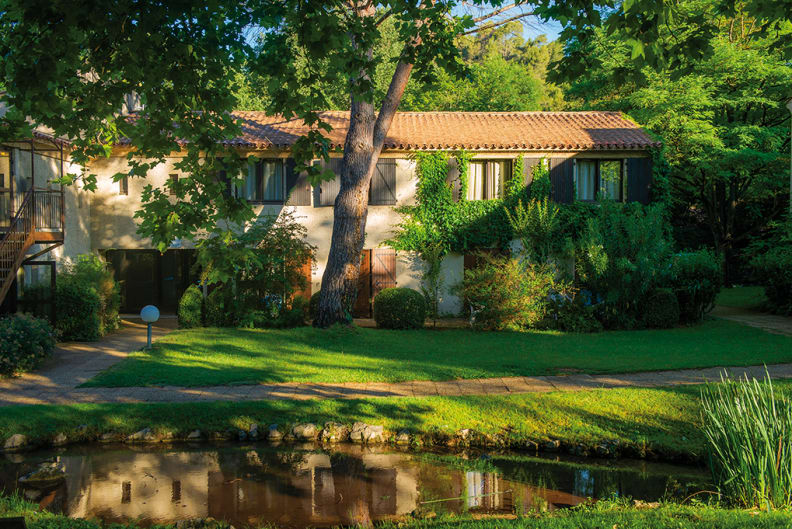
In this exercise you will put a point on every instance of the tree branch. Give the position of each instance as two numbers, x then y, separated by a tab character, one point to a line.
494	13
497	24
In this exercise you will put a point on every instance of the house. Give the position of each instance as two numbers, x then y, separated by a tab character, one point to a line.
587	152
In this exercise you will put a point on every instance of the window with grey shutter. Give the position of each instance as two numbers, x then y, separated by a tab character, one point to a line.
383	184
326	192
452	177
561	176
639	179
298	188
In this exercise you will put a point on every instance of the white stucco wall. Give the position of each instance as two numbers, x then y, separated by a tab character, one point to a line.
105	219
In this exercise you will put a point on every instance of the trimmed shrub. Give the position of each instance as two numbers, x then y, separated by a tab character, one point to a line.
25	341
697	278
661	310
191	308
773	270
399	308
506	293
78	310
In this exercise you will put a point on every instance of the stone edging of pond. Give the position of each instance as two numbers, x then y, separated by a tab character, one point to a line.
362	434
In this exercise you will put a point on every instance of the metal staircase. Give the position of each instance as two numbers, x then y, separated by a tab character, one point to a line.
39	220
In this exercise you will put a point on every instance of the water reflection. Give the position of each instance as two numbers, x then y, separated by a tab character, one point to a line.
255	485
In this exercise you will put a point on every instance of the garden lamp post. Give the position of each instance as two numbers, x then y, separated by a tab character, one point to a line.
149	314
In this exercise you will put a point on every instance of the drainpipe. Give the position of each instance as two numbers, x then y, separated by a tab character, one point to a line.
789	106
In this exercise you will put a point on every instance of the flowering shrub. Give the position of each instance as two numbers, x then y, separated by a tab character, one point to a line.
25	341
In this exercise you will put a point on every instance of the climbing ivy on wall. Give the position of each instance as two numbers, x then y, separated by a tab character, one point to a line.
439	224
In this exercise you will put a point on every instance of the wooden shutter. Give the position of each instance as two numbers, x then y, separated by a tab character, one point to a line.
305	271
383	270
639	179
298	188
453	178
362	308
383	184
326	192
528	167
562	172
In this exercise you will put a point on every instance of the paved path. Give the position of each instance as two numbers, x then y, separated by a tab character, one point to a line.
767	322
76	362
73	364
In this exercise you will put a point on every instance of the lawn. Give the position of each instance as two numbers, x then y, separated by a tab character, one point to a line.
606	514
618	514
660	420
205	357
741	297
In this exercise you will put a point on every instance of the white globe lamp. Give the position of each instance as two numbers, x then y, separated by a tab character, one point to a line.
149	314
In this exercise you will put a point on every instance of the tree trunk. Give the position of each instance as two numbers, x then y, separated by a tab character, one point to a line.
362	148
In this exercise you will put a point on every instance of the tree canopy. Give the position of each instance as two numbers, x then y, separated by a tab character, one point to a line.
721	116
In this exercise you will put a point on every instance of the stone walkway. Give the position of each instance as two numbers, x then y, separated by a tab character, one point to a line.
767	322
76	363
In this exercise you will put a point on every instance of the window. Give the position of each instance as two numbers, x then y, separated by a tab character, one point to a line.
174	179
126	492
265	182
486	178
599	179
123	185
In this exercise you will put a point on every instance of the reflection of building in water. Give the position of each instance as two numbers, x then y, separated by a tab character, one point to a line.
151	486
292	488
319	489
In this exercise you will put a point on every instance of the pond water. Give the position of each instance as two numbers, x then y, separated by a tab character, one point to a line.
296	487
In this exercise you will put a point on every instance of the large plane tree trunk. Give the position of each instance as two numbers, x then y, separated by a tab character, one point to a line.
362	148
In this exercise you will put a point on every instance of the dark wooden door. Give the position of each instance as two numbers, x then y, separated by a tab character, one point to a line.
362	308
377	272
383	270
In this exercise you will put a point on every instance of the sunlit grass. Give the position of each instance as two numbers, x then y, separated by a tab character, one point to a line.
205	357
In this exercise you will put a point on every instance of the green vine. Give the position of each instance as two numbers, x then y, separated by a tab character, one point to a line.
515	184
437	225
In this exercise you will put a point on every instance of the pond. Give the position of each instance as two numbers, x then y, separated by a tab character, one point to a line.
302	486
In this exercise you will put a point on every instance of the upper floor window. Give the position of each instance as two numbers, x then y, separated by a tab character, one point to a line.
599	179
265	182
174	180
123	185
486	178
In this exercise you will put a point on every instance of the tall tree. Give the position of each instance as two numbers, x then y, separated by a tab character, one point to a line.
68	66
721	117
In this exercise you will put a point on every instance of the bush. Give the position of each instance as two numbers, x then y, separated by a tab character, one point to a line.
190	310
399	308
313	306
622	257
749	428
569	311
78	310
773	270
92	270
218	309
661	310
505	293
25	341
696	278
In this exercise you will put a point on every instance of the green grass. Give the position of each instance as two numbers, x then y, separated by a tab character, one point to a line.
661	420
741	297
603	515
205	357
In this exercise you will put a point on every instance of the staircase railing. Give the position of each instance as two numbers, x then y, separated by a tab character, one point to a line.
15	242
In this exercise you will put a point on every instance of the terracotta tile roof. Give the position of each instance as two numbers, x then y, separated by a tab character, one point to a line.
525	131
